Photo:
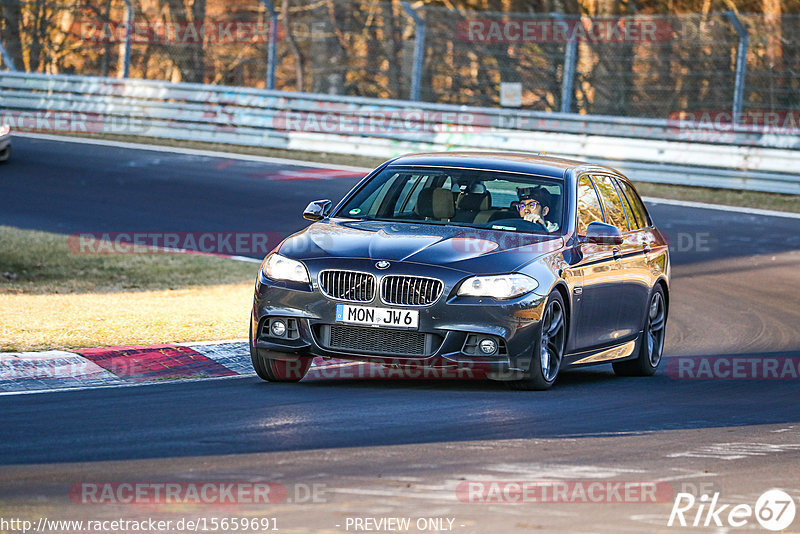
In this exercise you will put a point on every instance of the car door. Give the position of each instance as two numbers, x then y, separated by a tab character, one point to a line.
634	270
640	242
597	310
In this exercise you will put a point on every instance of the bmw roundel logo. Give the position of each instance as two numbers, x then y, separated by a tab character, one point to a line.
383	264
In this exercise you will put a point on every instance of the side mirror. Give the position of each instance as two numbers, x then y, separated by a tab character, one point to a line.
602	234
317	210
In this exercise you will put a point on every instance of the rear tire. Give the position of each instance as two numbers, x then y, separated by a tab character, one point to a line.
549	352
651	341
273	370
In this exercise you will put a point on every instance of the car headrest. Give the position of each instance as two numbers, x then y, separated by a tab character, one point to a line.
442	204
474	188
424	207
474	201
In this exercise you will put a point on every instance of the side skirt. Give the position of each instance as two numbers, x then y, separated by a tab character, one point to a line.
625	350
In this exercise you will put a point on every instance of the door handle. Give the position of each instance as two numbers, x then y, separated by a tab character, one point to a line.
616	252
646	248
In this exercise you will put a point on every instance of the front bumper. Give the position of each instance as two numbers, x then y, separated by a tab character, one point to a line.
447	325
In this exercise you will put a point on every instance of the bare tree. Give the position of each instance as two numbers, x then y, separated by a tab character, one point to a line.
11	11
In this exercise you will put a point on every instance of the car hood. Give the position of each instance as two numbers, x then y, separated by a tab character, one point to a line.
469	249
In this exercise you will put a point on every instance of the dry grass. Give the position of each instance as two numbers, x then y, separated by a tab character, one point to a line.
75	320
53	299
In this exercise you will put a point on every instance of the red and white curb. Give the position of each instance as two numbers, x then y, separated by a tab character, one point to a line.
33	372
25	372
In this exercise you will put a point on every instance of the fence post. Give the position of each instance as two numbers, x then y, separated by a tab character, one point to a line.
741	65
419	49
126	46
272	49
568	76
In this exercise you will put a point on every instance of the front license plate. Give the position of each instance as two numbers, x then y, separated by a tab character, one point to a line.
377	316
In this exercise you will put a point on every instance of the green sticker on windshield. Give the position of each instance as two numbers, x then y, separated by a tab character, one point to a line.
355	211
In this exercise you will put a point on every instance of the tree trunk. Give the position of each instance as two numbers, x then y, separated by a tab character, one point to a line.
294	49
12	19
188	57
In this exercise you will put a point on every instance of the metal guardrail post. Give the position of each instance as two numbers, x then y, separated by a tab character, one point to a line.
741	65
126	51
7	58
419	50
272	50
568	76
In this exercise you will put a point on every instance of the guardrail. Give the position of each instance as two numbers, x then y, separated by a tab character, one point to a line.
646	149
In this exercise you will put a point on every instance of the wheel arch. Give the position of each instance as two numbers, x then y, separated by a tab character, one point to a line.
662	281
562	288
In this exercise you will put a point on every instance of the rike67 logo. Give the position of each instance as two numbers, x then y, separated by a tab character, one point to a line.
774	510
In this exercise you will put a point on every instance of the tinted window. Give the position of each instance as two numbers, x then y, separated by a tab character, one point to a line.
462	197
633	222
589	209
635	203
615	213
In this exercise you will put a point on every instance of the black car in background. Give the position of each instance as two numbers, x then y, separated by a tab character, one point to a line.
511	264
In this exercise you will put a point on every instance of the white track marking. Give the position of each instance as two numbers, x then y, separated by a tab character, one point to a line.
315	164
190	151
722	207
535	471
736	451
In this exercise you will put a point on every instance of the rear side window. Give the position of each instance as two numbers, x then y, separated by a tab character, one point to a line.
633	222
589	208
636	204
615	213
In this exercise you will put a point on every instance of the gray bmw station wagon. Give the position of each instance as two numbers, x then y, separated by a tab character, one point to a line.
511	265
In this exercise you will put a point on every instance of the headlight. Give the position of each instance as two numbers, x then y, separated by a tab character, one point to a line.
4	130
504	286
277	267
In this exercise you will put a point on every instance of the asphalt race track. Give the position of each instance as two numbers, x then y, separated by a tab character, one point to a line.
400	448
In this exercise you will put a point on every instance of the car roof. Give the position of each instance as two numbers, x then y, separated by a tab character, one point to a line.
523	162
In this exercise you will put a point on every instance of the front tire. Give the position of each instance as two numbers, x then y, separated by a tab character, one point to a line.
273	370
549	352
651	341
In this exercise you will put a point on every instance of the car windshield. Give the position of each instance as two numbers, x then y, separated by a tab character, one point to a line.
461	197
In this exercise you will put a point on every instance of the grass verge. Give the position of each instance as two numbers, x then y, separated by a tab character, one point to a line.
52	298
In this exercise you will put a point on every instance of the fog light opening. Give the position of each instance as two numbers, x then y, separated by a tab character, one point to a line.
488	346
278	328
